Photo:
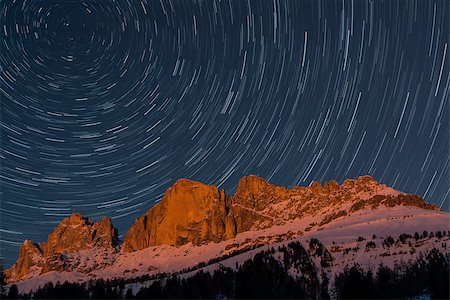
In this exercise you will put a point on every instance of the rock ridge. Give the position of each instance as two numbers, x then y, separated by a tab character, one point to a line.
197	213
193	212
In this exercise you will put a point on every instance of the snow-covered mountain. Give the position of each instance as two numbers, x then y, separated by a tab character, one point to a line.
197	226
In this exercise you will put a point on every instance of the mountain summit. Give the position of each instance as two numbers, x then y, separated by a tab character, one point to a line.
195	214
189	211
74	234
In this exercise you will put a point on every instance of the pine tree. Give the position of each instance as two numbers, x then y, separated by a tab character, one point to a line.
13	292
129	294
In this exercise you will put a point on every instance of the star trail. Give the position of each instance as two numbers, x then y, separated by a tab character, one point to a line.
106	103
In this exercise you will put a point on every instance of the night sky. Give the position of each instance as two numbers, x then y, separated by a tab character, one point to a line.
105	104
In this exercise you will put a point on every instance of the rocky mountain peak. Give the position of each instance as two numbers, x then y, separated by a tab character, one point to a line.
77	233
255	192
184	192
331	185
30	257
316	186
251	185
189	211
77	218
73	234
366	178
362	183
104	234
366	181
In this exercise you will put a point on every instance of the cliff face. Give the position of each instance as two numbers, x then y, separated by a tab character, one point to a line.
188	212
30	259
73	234
254	195
78	233
192	212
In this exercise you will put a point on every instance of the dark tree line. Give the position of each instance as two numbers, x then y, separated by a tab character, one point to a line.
427	275
263	277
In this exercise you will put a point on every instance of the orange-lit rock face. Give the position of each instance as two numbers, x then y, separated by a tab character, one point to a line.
78	233
192	212
189	212
73	234
30	255
252	196
256	193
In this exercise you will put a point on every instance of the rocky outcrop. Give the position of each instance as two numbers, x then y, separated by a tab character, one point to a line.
193	212
188	212
255	193
253	196
73	234
78	233
391	201
30	258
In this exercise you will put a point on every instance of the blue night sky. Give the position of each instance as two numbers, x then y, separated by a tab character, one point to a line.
105	104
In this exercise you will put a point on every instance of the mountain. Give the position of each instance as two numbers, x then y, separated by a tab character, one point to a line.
192	212
197	226
188	212
73	235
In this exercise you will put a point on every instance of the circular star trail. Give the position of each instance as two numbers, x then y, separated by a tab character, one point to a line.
104	104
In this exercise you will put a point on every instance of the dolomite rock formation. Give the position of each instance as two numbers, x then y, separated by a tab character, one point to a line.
73	234
78	233
30	258
193	212
188	212
253	195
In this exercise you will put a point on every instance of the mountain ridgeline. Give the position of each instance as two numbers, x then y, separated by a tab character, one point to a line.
196	213
193	212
